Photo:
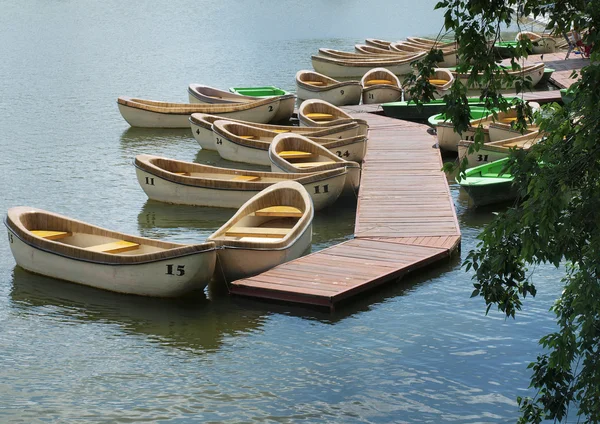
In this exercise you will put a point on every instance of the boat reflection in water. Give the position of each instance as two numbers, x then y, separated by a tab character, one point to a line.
193	322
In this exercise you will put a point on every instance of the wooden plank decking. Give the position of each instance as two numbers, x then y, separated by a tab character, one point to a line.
405	220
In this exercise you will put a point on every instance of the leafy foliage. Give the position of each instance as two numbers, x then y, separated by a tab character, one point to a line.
558	217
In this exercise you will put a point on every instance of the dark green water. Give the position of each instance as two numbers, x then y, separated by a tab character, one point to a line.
414	351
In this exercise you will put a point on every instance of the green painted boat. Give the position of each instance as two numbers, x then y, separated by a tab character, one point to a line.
547	75
485	184
259	91
411	111
477	112
567	95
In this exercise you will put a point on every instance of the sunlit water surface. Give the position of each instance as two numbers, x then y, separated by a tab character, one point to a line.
414	351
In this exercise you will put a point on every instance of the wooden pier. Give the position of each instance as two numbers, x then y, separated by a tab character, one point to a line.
405	220
405	217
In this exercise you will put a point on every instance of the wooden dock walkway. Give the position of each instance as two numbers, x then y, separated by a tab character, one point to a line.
405	220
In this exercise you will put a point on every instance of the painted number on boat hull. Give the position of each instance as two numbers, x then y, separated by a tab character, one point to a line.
482	158
179	271
10	237
270	108
325	189
342	92
219	141
343	154
150	180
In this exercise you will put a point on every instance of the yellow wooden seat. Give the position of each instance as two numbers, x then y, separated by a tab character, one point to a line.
280	211
51	235
118	246
257	232
315	83
184	174
438	81
281	131
294	154
508	120
312	164
379	82
320	116
247	137
246	178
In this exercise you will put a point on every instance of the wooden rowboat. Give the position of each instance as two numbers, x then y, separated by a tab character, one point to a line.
486	184
535	72
440	44
348	68
442	79
318	113
59	247
273	227
410	110
504	130
496	150
368	50
150	113
312	85
247	144
287	100
380	86
374	42
187	183
540	44
448	139
449	54
339	54
204	94
201	125
296	154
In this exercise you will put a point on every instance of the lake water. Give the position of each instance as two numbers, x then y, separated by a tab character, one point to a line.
418	350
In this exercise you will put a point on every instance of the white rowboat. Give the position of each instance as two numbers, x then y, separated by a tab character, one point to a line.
187	183
273	227
153	114
59	247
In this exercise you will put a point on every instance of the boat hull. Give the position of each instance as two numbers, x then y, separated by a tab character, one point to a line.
341	95
163	190
448	139
381	94
483	156
351	183
145	118
203	136
485	195
237	263
170	277
353	70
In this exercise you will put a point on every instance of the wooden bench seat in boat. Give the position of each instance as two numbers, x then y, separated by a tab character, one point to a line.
378	82
295	154
438	81
245	178
508	120
184	174
315	83
247	137
51	235
257	232
281	131
280	211
320	116
311	164
118	246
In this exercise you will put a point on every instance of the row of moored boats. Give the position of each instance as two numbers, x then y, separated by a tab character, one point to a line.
312	165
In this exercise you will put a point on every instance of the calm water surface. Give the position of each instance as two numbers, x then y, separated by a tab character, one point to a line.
415	351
